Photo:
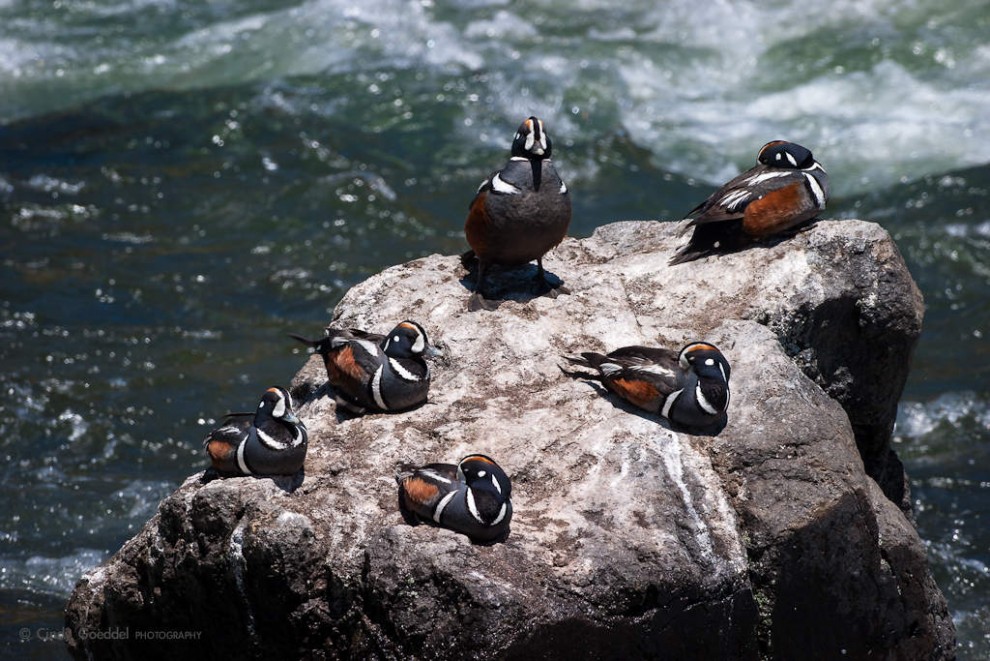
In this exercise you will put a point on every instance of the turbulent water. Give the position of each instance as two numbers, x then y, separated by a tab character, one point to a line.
183	182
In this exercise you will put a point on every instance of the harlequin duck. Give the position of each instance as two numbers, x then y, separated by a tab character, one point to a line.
690	388
520	212
269	441
785	188
472	498
371	372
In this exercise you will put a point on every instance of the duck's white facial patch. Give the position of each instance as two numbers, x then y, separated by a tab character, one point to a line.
710	362
419	346
482	473
563	188
279	409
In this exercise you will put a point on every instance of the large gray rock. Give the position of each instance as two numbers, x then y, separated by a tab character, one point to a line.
629	540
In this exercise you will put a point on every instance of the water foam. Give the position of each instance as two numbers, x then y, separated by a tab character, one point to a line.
879	93
48	575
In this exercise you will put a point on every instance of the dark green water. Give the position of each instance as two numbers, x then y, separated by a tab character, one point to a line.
181	183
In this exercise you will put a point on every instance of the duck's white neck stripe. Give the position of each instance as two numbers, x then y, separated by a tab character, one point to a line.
403	373
702	402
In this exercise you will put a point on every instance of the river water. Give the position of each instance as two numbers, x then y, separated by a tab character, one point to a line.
182	182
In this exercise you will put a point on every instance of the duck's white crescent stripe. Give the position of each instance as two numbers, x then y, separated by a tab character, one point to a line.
702	402
498	487
609	368
500	186
472	507
270	442
816	190
376	388
240	458
669	403
403	373
501	513
442	505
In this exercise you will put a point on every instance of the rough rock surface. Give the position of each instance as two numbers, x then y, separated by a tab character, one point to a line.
629	540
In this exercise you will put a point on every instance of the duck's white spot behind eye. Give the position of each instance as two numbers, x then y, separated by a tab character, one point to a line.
482	473
710	362
261	404
395	338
